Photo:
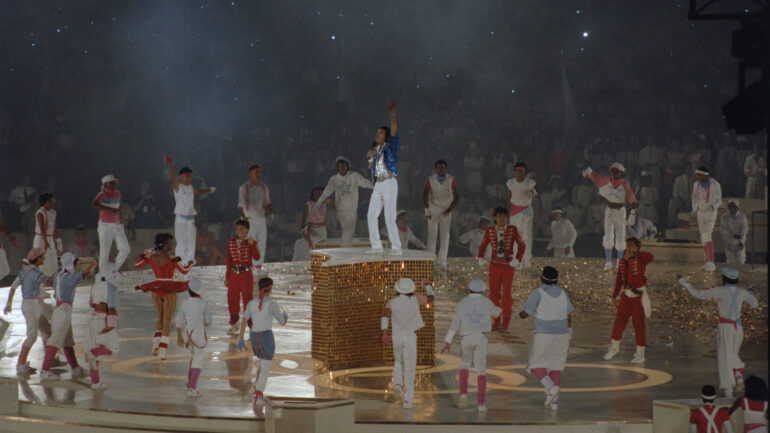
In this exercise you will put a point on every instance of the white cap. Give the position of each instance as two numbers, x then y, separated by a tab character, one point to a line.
557	210
476	286
730	273
733	201
618	166
401	211
67	261
196	286
342	159
109	178
405	286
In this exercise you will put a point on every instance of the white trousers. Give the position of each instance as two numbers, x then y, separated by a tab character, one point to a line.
95	338
30	309
474	350
197	345
405	355
438	225
49	267
4	268
61	327
347	220
184	232
735	254
729	340
262	374
109	232
524	224
706	220
614	229
384	195
258	231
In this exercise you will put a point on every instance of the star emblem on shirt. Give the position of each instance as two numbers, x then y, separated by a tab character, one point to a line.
474	317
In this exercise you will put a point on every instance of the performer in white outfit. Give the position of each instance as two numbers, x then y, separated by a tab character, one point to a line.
551	309
404	311
474	237
194	316
47	233
261	312
521	189
729	298
253	200
563	235
616	191
473	319
383	167
734	227
102	334
344	185
110	228
4	268
438	198
706	199
184	211
754	168
405	234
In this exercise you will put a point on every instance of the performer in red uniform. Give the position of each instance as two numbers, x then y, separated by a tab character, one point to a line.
241	250
163	288
630	284
502	237
709	418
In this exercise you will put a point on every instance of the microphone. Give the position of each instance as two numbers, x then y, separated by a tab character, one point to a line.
374	144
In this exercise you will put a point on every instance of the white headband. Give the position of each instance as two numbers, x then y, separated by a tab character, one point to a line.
705	173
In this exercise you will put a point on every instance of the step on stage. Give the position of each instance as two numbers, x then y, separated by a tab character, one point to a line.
681	356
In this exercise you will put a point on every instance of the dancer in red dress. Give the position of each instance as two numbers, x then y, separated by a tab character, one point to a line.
163	288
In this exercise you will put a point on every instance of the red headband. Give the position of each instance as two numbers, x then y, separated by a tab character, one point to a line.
262	294
254	170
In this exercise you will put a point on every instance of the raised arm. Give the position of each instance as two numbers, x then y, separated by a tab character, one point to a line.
700	294
174	182
392	108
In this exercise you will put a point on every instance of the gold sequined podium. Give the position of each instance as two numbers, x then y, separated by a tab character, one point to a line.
350	289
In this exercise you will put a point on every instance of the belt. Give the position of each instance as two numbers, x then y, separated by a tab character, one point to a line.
187	217
239	269
728	321
619	205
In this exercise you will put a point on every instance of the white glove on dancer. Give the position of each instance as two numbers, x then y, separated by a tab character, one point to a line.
587	172
481	261
513	263
212	189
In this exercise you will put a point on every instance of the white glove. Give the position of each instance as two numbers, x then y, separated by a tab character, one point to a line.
272	218
212	189
632	217
513	263
429	290
587	172
481	261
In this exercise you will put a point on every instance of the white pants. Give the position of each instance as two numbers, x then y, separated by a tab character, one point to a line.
347	220
524	224
49	267
405	355
438	225
109	232
184	232
614	229
384	195
317	234
4	268
262	374
95	338
474	350
258	231
196	341
30	309
735	254
559	252
729	341
706	220
61	327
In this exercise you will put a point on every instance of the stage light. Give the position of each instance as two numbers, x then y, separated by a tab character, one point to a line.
585	34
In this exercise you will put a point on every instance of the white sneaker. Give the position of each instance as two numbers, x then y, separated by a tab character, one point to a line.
79	372
551	395
395	252
193	393
554	405
98	385
374	251
482	408
162	353
637	359
408	404
25	369
48	375
462	403
611	353
709	267
608	266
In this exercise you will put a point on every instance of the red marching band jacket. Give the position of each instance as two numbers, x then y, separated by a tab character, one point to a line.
632	272
240	253
510	236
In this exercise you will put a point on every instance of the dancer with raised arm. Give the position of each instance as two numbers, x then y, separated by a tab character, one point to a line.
383	167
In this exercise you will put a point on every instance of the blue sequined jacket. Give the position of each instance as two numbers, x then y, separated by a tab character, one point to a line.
390	156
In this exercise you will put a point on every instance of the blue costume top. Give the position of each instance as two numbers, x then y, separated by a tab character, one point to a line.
389	158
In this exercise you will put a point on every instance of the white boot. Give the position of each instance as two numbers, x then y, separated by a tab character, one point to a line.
614	349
